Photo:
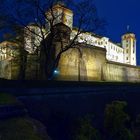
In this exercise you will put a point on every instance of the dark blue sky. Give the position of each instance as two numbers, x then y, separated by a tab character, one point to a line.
119	14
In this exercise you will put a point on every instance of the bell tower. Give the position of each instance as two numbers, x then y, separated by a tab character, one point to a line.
59	13
129	45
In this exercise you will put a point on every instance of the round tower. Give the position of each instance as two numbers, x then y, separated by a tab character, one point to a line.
129	45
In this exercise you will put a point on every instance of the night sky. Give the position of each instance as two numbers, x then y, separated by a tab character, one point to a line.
119	14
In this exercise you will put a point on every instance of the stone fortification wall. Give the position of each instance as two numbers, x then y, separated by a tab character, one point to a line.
9	69
5	69
88	64
120	72
93	66
84	66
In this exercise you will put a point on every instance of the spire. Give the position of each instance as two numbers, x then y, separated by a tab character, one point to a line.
128	28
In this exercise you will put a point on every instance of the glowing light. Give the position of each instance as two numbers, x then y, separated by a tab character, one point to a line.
56	72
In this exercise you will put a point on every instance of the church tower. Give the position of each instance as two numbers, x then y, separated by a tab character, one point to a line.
129	45
59	13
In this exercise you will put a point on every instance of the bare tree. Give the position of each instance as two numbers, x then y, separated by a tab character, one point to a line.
47	29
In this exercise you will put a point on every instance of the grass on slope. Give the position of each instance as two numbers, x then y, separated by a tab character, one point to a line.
18	129
6	99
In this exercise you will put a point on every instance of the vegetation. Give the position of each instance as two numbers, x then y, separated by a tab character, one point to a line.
20	129
117	125
7	99
115	122
85	130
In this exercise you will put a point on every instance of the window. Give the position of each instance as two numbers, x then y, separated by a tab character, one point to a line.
126	58
81	37
134	43
127	51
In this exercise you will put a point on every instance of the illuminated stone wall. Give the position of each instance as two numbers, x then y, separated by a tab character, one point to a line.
90	66
93	66
120	72
5	69
87	67
9	69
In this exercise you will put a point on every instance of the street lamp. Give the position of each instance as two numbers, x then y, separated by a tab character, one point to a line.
56	72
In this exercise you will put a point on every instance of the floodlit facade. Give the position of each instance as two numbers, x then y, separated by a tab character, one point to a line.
8	50
101	59
122	52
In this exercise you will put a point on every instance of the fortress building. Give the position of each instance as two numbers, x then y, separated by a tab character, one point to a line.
101	59
122	52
